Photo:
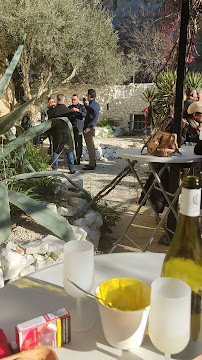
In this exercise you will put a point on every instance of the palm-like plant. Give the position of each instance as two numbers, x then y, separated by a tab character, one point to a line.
42	215
193	80
161	99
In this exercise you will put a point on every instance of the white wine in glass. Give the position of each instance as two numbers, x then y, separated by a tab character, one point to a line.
78	266
170	315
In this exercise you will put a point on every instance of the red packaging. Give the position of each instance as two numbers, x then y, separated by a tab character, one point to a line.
4	348
52	329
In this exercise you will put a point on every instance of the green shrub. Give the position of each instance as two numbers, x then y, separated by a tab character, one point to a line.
107	123
109	216
37	156
14	163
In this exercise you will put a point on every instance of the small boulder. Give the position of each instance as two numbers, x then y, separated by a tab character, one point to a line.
65	211
35	247
80	233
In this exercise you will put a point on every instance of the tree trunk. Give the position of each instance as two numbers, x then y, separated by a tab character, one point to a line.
26	62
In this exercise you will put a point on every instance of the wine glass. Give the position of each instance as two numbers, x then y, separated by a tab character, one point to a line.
79	267
170	315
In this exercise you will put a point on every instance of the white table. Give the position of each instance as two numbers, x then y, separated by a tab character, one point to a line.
30	297
187	156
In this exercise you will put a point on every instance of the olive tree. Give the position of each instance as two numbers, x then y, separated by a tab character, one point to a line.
66	41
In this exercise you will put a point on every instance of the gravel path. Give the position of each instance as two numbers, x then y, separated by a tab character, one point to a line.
24	229
105	171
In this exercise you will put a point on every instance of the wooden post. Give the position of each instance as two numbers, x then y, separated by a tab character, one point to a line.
179	99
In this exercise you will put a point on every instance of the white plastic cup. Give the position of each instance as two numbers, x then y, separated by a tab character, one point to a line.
170	314
123	329
78	266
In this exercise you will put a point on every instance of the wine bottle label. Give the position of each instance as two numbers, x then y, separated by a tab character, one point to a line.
190	203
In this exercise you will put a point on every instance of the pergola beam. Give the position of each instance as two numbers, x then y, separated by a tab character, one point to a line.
179	99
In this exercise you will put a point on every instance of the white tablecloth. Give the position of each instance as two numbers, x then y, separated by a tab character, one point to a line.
30	297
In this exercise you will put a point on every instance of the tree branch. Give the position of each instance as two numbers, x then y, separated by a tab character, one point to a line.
43	88
65	81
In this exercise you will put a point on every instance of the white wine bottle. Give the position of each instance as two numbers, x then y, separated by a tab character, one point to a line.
184	257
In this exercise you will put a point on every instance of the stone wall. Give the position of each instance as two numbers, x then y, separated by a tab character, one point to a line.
117	103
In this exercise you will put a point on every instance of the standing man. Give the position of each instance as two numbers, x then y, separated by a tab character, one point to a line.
192	96
44	113
77	120
59	132
90	123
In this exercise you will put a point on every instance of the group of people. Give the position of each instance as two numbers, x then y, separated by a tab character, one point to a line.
83	118
192	115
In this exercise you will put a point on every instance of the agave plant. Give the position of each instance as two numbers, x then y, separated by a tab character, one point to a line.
193	80
150	96
161	99
42	215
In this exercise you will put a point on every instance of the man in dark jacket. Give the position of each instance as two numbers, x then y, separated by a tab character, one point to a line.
90	123
77	120
192	96
60	135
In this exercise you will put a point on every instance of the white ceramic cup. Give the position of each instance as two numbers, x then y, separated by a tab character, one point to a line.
123	329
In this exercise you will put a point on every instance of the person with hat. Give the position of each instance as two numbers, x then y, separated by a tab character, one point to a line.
195	122
191	96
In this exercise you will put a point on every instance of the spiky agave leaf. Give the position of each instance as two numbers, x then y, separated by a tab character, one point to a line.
9	135
53	173
193	80
35	131
11	67
149	93
8	120
43	216
5	222
19	130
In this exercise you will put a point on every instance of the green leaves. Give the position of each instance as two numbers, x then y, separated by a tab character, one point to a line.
5	223
8	120
55	55
9	71
163	97
193	80
52	173
43	216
